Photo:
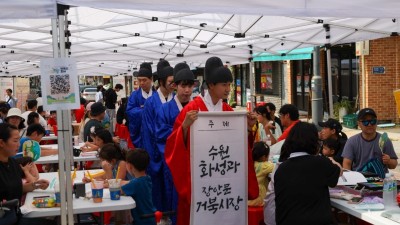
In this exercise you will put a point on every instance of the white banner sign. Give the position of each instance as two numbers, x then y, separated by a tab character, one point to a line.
59	79
219	168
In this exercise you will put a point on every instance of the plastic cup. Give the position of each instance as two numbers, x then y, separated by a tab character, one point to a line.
115	188
97	191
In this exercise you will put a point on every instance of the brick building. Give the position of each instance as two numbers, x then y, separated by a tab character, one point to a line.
291	78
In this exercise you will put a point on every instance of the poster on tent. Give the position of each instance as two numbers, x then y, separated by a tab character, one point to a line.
219	168
5	83
59	79
266	76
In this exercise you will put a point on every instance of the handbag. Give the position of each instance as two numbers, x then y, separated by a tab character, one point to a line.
9	212
375	166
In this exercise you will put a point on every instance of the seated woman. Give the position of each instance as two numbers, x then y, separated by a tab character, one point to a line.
333	129
11	173
265	125
302	181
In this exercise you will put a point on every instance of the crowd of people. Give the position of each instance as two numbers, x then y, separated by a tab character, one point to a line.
157	172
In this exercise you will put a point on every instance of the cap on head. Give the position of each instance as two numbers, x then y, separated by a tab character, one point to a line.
97	109
211	64
184	74
364	112
161	65
143	72
14	112
332	124
180	66
146	66
165	72
220	75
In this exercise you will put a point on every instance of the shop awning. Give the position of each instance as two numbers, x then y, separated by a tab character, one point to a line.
297	54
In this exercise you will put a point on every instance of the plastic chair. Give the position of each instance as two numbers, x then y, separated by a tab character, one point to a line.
255	215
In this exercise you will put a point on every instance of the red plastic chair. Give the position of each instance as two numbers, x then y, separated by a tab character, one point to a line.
55	130
256	215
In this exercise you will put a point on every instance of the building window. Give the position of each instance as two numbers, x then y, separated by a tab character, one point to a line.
267	78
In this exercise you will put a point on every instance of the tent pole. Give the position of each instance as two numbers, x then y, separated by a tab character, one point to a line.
252	83
316	89
64	126
329	65
363	83
61	165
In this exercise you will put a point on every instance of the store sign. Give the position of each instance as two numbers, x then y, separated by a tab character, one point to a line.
378	70
266	76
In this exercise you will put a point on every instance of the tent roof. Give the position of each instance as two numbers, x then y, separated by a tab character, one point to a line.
116	41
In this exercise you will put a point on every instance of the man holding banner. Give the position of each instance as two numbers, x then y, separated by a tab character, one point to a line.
177	150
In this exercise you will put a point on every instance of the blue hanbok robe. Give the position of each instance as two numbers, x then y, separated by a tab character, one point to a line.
165	120
149	144
134	111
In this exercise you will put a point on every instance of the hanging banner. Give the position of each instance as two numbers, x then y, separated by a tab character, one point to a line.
59	79
219	168
266	76
6	83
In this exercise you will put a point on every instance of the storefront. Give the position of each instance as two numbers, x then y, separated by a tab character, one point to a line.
284	78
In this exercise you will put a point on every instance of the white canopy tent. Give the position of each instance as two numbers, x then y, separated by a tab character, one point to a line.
114	37
115	41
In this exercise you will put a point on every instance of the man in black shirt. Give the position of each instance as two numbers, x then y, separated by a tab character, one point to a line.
110	98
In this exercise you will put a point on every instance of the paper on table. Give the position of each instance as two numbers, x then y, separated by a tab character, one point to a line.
93	153
275	149
351	178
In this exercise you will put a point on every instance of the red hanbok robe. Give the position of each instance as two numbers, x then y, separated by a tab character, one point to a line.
177	157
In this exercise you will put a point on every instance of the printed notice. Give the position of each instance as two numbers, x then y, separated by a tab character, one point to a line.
219	168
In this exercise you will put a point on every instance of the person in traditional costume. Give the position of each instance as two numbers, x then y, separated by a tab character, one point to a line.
177	149
163	94
134	108
165	119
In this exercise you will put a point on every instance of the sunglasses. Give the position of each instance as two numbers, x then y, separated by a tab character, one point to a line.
367	122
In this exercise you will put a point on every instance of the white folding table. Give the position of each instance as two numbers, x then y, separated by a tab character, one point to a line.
373	217
80	205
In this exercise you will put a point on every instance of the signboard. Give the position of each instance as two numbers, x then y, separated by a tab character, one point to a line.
59	79
6	83
266	75
219	168
362	48
378	70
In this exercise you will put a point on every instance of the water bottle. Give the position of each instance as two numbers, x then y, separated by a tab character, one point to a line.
268	140
394	186
57	193
388	198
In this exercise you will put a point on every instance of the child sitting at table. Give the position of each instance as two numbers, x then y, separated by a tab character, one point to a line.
139	188
100	137
35	132
263	168
112	162
31	173
330	147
